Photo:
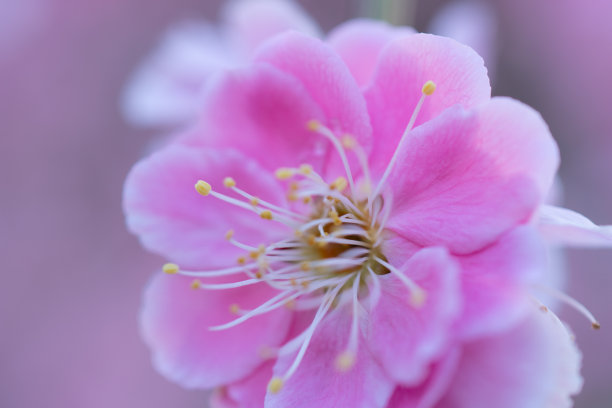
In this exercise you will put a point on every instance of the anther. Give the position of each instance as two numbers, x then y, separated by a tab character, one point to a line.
306	169
284	173
170	268
429	88
307	199
203	187
345	361
229	234
348	142
290	304
596	325
305	266
339	184
275	385
241	260
229	182
313	125
234	308
254	201
266	214
417	297
195	284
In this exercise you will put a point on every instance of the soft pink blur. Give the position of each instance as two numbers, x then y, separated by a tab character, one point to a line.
73	276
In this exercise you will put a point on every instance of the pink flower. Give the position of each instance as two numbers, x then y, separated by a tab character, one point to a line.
167	89
368	236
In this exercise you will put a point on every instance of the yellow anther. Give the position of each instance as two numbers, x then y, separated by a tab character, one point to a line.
266	214
333	214
234	308
345	361
313	125
349	142
306	169
254	201
293	282
292	197
339	184
203	187
305	284
429	88
229	234
275	385
254	254
290	304
195	284
170	268
294	185
284	173
305	266
307	199
258	274
417	297
229	182
241	260
596	325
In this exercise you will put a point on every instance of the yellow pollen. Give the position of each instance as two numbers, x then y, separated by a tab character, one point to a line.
254	254
258	274
229	234
266	214
307	199
290	304
254	201
417	297
339	184
305	284
292	197
294	185
170	268
305	266
306	169
241	260
284	173
275	385
345	361
203	187
429	88
234	308
229	182
313	125
348	142
195	284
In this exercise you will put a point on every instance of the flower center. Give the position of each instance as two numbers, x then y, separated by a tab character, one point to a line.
334	253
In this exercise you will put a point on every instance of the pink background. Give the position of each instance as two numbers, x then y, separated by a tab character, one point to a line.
72	275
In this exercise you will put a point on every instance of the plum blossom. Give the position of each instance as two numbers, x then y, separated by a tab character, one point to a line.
366	230
167	89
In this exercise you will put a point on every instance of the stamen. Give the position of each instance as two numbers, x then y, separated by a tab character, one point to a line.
203	187
170	268
346	359
428	89
316	126
417	294
571	302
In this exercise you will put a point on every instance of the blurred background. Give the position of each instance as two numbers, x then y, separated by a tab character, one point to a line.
72	275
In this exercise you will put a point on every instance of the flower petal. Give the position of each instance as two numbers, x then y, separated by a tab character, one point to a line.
326	79
250	23
566	227
404	338
175	324
403	67
317	383
494	283
428	393
359	43
533	365
466	177
172	219
249	392
262	112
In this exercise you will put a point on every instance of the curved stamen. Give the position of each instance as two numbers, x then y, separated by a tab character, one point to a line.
571	302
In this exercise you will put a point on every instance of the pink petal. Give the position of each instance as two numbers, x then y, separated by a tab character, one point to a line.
403	67
428	393
173	220
249	23
404	338
326	79
494	283
566	227
534	365
249	392
175	324
167	88
264	113
464	178
317	383
359	43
